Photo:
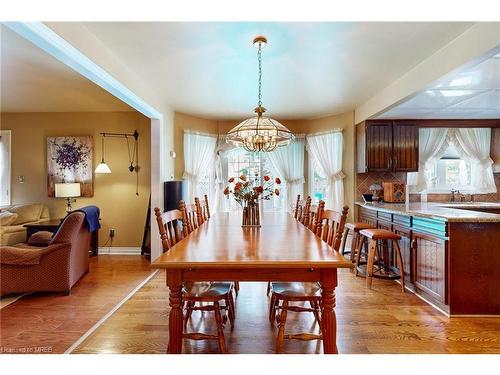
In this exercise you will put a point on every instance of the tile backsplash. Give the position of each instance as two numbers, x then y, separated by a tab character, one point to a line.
364	180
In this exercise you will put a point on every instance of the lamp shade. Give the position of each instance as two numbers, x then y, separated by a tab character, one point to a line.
67	190
102	168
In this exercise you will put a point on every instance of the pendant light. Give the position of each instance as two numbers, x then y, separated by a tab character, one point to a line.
102	167
259	133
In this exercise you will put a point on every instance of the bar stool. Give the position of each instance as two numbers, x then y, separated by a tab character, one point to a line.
356	238
382	235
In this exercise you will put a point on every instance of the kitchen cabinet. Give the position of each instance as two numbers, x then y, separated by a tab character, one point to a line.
387	146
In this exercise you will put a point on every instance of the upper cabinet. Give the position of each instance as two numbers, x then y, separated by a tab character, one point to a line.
387	146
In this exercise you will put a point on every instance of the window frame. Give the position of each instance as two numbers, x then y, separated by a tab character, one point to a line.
8	196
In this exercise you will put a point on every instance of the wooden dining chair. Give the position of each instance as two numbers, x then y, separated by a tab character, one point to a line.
211	294
189	216
329	227
306	212
299	207
202	209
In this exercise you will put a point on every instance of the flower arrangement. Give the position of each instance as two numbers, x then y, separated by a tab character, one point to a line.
247	191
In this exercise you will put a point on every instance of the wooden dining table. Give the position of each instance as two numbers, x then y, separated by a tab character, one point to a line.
282	249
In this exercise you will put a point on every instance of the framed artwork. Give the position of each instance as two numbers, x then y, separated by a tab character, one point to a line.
70	159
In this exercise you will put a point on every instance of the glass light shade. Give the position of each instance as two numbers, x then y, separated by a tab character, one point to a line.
67	190
102	168
259	133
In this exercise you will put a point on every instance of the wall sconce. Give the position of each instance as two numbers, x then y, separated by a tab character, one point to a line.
133	154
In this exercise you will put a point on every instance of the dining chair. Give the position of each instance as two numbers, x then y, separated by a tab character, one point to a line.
298	209
189	216
329	227
306	212
202	209
211	294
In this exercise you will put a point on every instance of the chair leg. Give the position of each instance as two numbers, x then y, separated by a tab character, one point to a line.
236	287
344	240
230	309
189	311
400	264
354	248
268	288
220	330
361	242
281	331
272	308
315	307
369	264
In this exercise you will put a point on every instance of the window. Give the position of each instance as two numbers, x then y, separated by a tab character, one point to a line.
5	167
318	185
451	172
241	162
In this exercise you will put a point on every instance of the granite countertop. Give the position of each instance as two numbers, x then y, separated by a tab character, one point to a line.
440	210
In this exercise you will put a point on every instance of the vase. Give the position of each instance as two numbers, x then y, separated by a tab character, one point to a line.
251	216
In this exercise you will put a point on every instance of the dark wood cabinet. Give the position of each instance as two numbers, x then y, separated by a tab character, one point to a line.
428	265
387	146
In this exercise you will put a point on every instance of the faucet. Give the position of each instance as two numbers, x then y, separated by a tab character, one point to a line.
452	196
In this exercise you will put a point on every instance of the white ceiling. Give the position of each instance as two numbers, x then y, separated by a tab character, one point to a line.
309	69
33	81
472	92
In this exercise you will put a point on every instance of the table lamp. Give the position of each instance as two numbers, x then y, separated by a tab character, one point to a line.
68	191
375	188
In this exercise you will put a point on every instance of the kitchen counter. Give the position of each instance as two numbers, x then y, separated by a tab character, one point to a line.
451	212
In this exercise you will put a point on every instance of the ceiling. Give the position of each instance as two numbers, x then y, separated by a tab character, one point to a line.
471	92
309	69
33	81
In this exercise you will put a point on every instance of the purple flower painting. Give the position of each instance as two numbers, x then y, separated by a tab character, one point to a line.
70	159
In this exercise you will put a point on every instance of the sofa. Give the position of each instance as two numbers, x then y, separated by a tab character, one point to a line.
13	218
47	262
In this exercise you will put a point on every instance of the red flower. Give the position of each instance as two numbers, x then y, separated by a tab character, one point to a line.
277	192
243	177
278	181
267	178
258	189
237	186
231	179
226	190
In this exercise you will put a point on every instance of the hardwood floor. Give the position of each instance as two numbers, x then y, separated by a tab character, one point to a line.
381	320
51	323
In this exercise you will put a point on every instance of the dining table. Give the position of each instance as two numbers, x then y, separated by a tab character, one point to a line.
281	249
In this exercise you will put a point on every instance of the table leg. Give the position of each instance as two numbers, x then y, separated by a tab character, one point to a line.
174	282
328	319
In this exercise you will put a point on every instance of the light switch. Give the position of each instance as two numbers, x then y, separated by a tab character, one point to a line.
21	179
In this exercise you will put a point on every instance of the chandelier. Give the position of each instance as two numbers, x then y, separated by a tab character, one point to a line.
259	133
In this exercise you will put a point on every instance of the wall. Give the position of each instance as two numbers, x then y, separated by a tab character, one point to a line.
114	193
343	121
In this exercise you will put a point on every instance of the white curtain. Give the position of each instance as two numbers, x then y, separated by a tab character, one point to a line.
326	151
220	203
288	163
432	145
473	144
199	155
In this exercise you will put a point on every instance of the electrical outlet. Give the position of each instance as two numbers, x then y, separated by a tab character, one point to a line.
111	232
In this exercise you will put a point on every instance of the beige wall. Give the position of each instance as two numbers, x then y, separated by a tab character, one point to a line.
114	193
343	121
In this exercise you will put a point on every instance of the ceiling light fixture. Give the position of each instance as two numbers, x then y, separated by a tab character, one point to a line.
259	133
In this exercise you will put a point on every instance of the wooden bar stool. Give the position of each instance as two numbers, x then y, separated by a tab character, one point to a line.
356	239
382	235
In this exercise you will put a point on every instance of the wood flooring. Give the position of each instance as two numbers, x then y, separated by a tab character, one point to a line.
51	323
381	320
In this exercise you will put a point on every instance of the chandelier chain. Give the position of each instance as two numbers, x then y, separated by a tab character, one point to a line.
259	56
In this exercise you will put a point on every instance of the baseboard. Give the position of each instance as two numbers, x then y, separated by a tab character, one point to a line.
117	250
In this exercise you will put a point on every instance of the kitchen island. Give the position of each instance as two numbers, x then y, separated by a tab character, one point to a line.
451	252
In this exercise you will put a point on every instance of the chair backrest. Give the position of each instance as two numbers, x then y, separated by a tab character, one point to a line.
315	215
169	224
299	207
69	228
306	212
331	227
190	217
203	209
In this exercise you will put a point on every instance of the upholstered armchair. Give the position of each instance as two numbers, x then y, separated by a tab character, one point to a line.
47	263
